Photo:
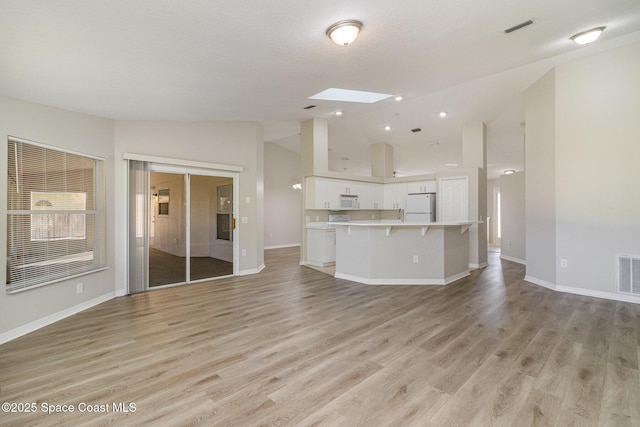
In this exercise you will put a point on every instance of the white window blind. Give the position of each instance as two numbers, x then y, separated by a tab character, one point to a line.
55	215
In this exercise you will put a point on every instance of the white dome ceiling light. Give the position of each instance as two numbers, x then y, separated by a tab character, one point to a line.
344	32
588	36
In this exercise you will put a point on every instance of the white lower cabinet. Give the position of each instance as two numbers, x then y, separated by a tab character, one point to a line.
321	246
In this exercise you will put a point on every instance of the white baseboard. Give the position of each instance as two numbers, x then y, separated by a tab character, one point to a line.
540	282
599	294
52	318
318	263
367	281
476	266
513	259
292	245
584	292
251	271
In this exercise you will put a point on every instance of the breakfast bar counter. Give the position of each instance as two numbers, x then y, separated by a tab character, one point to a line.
398	253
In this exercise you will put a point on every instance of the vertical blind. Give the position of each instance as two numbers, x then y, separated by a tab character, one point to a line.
138	226
55	215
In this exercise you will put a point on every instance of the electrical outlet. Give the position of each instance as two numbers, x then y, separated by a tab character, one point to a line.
415	259
563	263
79	288
244	252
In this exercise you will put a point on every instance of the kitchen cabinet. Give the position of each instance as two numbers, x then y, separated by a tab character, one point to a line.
394	195
371	196
420	187
321	193
321	246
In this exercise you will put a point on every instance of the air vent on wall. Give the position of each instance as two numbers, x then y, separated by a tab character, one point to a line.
519	26
629	274
414	130
308	107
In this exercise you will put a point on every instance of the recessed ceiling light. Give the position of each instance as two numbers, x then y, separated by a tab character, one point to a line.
588	36
348	95
399	98
338	113
387	127
443	114
509	171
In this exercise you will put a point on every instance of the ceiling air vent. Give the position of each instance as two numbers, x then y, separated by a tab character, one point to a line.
309	107
414	130
519	26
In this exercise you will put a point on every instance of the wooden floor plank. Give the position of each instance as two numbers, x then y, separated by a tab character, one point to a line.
292	346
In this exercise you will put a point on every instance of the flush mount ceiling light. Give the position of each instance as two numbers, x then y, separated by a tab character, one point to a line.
443	114
509	171
588	36
297	185
344	32
338	113
387	127
399	98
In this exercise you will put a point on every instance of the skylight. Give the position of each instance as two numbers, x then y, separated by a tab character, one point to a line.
348	95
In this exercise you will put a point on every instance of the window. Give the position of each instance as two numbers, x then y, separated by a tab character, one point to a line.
58	226
55	215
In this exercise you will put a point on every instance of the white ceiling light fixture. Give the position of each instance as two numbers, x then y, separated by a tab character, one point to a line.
399	98
588	36
387	128
344	32
297	185
443	114
509	172
338	113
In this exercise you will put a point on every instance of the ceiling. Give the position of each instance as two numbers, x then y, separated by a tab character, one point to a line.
260	61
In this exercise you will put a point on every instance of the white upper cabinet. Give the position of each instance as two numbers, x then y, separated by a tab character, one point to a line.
321	193
419	187
394	195
370	195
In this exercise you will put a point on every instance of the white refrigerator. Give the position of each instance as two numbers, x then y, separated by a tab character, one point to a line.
420	208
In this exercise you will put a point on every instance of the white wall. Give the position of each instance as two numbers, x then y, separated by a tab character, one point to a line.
282	204
233	143
512	201
540	185
581	158
25	311
597	166
492	234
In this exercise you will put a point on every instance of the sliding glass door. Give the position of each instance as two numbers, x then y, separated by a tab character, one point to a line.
181	226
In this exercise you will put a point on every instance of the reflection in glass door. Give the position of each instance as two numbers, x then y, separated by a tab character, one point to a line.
211	236
167	250
192	228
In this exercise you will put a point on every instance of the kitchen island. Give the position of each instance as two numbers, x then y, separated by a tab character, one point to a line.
398	253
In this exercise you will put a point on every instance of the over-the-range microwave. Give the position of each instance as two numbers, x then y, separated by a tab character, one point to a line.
347	201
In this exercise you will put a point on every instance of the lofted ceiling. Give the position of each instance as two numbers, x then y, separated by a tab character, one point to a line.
260	61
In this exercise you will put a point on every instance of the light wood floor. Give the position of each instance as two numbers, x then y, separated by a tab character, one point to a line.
295	347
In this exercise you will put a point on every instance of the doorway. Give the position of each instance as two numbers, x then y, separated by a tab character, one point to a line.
188	222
